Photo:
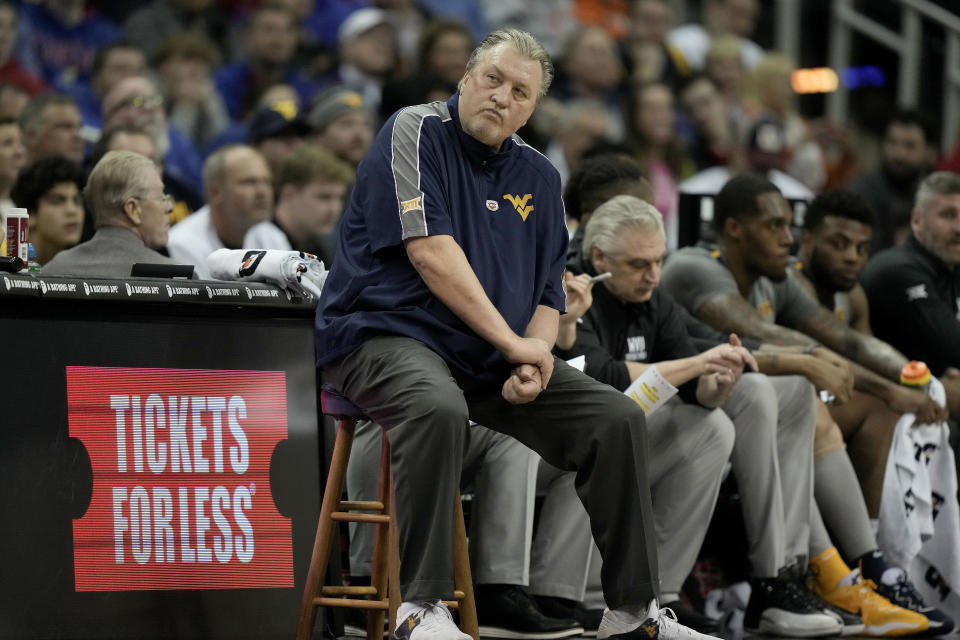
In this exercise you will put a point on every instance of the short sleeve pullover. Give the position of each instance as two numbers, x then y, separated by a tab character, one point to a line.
425	176
694	275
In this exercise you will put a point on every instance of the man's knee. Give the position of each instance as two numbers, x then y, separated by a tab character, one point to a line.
798	401
721	434
827	437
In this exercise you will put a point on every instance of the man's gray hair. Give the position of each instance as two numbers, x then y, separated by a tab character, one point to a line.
524	44
615	217
119	176
939	183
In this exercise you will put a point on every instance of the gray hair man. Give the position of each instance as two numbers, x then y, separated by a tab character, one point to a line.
130	210
914	289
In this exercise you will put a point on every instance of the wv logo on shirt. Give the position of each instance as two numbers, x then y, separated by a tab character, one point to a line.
520	204
636	349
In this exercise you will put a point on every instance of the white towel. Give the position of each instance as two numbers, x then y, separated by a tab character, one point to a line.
919	526
297	271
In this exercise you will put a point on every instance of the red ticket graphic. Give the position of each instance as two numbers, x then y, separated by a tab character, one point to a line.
181	479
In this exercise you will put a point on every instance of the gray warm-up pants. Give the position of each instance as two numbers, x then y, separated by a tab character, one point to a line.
689	446
772	458
576	424
502	474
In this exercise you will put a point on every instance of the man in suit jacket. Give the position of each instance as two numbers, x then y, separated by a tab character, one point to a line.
130	208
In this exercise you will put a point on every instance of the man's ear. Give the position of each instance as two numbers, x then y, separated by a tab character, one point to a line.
599	259
132	211
732	228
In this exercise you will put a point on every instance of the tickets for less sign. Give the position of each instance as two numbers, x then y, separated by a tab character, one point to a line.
181	479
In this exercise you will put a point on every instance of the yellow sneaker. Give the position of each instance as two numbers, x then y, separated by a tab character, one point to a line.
835	583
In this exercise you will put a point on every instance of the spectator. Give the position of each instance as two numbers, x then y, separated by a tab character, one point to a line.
661	153
112	64
11	69
49	190
469	12
765	154
125	194
368	55
649	57
63	37
715	141
131	138
443	49
773	96
720	17
725	66
13	99
581	124
239	195
279	97
612	15
153	23
342	123
552	22
327	16
269	42
907	155
12	158
311	188
51	127
276	134
185	62
592	70
136	101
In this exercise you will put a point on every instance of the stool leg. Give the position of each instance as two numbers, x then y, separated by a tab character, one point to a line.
325	528
380	576
462	578
393	562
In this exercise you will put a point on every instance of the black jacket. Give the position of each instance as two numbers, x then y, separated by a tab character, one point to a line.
914	301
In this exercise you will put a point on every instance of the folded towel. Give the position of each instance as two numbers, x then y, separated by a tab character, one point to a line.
299	272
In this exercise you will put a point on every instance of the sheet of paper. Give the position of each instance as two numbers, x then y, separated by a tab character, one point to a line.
578	363
650	390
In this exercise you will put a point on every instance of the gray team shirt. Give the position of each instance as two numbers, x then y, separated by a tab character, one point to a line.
694	275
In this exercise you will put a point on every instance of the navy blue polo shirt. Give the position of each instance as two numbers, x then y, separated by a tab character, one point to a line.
425	176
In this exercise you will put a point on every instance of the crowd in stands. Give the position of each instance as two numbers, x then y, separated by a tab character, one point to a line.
162	131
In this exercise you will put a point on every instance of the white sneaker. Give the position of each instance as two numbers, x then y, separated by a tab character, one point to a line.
429	621
657	624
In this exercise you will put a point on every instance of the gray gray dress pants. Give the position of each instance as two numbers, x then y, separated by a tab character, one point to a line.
576	424
500	472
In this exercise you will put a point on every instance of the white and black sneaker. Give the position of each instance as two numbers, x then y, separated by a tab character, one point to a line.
427	621
779	606
656	624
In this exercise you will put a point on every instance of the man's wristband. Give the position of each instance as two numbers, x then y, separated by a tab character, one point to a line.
807	350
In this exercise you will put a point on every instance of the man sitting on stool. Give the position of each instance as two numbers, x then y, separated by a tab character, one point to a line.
443	305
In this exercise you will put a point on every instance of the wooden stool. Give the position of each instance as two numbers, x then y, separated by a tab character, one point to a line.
383	594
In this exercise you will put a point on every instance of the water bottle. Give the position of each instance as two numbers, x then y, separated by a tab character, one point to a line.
915	374
32	265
